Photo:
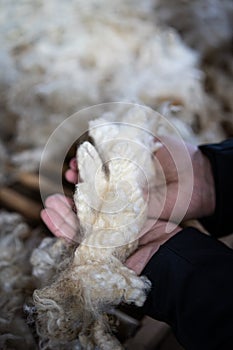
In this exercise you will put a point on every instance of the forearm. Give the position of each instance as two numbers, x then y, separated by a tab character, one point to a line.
203	199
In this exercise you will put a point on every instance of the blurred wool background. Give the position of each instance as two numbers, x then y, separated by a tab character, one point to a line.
60	56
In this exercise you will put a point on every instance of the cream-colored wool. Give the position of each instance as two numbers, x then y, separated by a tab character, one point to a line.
112	212
86	52
16	283
93	52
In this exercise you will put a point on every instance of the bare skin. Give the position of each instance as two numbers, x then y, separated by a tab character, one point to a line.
172	177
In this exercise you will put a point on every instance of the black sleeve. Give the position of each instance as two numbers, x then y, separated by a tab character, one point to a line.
221	159
192	290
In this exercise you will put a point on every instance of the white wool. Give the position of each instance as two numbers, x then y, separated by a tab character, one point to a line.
15	281
112	212
58	57
94	52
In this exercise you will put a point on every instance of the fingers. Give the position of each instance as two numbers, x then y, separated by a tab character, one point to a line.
141	257
59	217
57	225
71	174
160	232
149	244
58	200
73	164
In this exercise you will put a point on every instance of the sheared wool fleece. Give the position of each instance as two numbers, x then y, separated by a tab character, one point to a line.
112	211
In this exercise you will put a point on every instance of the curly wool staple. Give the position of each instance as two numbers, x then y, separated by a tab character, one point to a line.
16	282
112	212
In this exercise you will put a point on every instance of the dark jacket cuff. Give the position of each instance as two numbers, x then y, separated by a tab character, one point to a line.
192	287
221	158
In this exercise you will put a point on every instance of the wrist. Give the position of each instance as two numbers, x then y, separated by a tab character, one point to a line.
204	180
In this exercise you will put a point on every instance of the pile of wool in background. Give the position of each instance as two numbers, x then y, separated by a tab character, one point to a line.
58	57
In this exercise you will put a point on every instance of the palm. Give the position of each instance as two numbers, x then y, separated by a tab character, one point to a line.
184	185
173	197
172	192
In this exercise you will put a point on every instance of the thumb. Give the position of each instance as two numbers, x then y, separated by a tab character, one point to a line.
138	260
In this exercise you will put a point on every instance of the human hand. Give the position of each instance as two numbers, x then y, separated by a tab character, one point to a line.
175	162
171	169
149	244
172	166
59	213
